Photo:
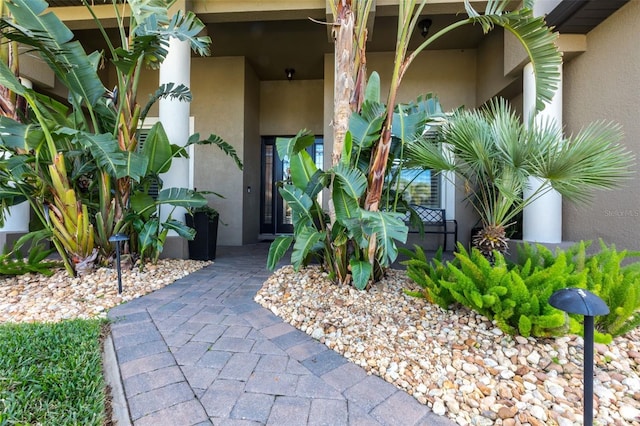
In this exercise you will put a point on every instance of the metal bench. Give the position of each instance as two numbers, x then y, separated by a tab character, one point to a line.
434	221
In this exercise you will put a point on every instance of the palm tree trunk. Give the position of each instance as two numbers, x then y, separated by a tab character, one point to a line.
343	85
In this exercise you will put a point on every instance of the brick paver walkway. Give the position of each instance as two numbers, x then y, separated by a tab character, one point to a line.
200	351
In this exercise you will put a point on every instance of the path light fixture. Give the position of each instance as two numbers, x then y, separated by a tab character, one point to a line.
583	302
117	238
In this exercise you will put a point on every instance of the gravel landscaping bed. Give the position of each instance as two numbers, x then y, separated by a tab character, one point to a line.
457	362
34	297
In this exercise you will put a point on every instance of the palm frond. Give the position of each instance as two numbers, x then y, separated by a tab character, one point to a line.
47	35
593	159
535	37
167	90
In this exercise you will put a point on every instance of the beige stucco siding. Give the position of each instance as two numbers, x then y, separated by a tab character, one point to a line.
252	160
603	84
286	107
218	86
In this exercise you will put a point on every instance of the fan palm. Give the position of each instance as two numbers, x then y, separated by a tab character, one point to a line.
493	154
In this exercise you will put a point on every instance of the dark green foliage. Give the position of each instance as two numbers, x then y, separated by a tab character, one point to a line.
427	275
617	284
14	264
51	374
516	295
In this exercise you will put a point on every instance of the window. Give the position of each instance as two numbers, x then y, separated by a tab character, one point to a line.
422	187
428	188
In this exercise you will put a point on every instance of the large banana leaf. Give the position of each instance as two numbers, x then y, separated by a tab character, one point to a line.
168	90
349	184
157	149
388	228
135	166
216	140
291	146
365	127
306	239
350	180
147	235
277	250
299	202
361	273
316	184
408	125
53	40
143	204
103	147
302	169
181	197
180	228
183	26
535	37
346	207
9	80
13	134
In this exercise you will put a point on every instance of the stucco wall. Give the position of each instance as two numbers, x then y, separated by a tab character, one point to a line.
286	107
218	86
603	84
251	186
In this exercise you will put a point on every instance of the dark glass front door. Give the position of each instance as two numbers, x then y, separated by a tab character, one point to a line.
275	214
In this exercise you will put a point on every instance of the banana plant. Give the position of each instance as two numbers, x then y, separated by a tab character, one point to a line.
95	134
70	219
142	43
378	127
342	243
145	208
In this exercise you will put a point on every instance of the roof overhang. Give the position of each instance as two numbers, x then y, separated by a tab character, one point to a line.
581	16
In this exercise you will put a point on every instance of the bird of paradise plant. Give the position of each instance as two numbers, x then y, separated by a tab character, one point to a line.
360	246
89	145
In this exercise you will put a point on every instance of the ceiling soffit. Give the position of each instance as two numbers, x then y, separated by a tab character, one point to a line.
581	16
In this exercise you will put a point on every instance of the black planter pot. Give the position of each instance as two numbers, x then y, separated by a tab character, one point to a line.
203	246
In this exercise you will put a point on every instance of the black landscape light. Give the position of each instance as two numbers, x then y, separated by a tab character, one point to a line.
117	238
583	302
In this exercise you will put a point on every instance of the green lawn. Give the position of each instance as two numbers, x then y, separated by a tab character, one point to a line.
51	374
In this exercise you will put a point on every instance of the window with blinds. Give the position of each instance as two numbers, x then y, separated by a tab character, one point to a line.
422	187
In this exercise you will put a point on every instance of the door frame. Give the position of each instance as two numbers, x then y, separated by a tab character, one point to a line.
276	227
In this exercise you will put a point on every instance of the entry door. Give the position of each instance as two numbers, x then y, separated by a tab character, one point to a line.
275	213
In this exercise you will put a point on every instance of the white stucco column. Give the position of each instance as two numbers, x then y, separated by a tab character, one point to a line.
174	115
542	219
17	218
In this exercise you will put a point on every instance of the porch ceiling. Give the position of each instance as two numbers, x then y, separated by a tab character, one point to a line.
270	46
581	16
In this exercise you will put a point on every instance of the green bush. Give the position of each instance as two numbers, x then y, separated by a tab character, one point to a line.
516	294
618	284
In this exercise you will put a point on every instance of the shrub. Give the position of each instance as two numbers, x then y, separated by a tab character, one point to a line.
617	284
516	294
427	274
